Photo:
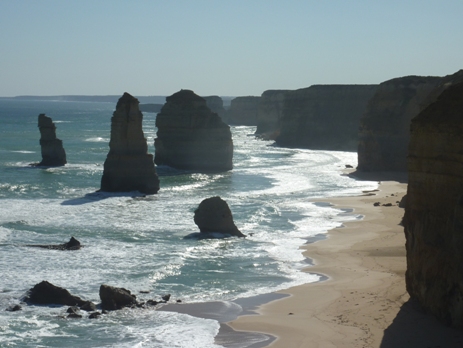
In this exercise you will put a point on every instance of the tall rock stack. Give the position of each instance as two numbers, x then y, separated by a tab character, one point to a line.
215	103
190	136
128	166
324	117
434	209
53	154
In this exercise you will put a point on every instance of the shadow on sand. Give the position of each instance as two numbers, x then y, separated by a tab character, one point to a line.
401	177
413	328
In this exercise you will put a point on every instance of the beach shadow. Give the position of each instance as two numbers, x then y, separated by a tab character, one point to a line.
413	328
401	177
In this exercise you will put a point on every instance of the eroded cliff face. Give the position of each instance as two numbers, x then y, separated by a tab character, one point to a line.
190	136
434	209
323	116
384	128
128	166
53	154
243	111
270	112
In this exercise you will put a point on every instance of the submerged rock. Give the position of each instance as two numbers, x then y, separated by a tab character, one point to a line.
45	293
190	136
53	154
113	298
214	215
128	166
433	218
73	244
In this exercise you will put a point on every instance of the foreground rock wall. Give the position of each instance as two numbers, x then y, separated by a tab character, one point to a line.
434	209
243	111
270	112
53	154
128	166
324	116
190	136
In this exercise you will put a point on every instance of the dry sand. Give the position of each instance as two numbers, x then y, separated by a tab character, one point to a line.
364	302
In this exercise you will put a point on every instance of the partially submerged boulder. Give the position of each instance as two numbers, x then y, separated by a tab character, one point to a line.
45	293
53	154
73	244
128	166
190	136
214	215
113	298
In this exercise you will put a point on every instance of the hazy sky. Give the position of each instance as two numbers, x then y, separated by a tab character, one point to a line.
224	47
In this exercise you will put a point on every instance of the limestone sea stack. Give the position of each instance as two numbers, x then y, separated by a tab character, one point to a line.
53	154
215	103
434	208
192	137
213	215
269	113
128	166
323	117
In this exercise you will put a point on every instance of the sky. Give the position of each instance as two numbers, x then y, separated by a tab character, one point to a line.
221	47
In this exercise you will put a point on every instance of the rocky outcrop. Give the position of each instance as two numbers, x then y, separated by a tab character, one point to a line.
214	215
73	244
384	128
243	111
190	136
53	154
113	298
45	293
434	208
215	103
270	112
128	166
324	116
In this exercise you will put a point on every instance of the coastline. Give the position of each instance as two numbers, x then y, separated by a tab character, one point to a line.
363	303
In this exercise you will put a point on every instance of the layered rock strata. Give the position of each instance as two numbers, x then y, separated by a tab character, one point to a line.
324	116
384	128
192	137
53	154
270	112
128	166
243	111
213	215
434	208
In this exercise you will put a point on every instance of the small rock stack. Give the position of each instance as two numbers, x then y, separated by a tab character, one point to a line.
53	154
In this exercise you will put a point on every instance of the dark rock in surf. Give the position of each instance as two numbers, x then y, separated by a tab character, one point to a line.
214	215
128	166
53	154
45	293
113	298
14	308
73	244
190	136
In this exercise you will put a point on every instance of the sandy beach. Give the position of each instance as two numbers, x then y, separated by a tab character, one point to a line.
364	302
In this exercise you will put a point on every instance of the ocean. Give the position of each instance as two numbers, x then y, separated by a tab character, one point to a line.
149	243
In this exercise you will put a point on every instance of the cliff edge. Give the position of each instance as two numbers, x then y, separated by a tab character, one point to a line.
434	209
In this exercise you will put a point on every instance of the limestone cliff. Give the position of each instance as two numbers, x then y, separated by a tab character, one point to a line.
190	136
384	128
434	209
243	111
270	112
53	154
128	166
323	116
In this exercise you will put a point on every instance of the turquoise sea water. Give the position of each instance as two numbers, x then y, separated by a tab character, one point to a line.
139	242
